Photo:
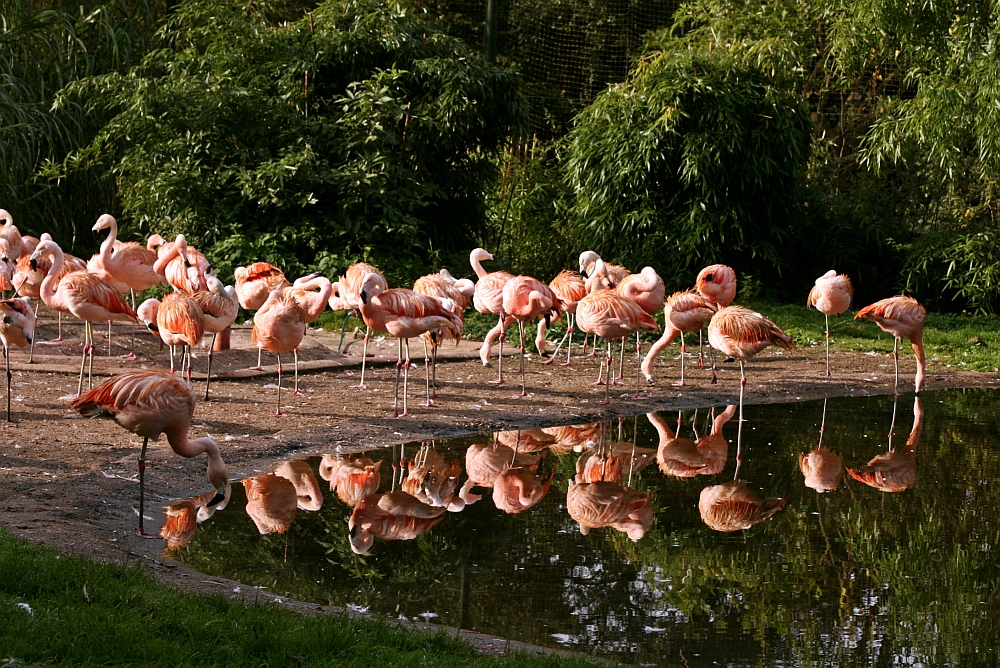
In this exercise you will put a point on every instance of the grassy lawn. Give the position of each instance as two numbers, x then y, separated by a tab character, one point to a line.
59	610
966	343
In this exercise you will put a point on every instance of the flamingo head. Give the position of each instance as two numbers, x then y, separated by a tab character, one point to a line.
154	241
104	222
587	260
4	216
147	312
480	254
465	286
45	248
447	274
371	286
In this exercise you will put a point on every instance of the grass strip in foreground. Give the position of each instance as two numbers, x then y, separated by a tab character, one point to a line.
63	610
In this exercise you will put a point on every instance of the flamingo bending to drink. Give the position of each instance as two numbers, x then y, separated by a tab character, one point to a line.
902	317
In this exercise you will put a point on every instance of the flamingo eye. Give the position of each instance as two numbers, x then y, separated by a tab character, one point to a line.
709	277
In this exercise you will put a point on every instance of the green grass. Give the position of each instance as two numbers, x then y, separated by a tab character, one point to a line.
84	613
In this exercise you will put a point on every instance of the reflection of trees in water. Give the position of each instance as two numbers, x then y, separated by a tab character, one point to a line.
852	577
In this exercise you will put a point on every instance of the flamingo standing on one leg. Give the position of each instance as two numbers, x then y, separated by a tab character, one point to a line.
17	328
716	283
150	403
609	315
526	298
569	288
441	286
404	314
741	333
81	294
29	275
11	235
349	290
311	293
684	312
278	327
647	290
902	317
831	295
219	306
488	299
179	322
124	265
253	284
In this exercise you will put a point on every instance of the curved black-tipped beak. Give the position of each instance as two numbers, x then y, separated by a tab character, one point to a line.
364	297
548	319
151	326
34	264
216	500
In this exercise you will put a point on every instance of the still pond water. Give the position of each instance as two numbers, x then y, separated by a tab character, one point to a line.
896	568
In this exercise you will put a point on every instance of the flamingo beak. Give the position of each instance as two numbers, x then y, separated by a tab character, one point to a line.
364	297
34	264
216	500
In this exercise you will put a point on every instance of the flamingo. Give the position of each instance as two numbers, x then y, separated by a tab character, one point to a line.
488	299
741	333
150	403
647	290
404	314
29	275
432	479
684	312
126	266
349	293
81	294
253	284
272	503
394	515
9	233
443	285
17	328
895	470
570	289
612	273
352	478
733	506
311	293
278	327
183	517
831	295
179	321
607	461
307	492
902	317
526	298
684	458
609	315
7	268
219	306
28	245
184	267
601	503
519	488
717	284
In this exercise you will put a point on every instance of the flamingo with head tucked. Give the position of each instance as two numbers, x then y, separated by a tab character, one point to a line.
348	297
570	289
831	295
311	293
219	306
179	321
17	328
442	286
278	327
717	284
254	283
9	233
526	298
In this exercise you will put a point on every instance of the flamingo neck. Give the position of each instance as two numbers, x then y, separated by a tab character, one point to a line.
536	300
108	246
917	341
47	291
477	265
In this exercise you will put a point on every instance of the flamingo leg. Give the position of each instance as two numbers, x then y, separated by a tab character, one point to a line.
607	388
520	330
701	348
399	365
434	372
6	356
895	360
427	376
621	365
827	344
571	319
142	490
172	359
364	356
59	319
277	412
406	376
600	372
638	362
90	363
681	382
260	352
131	354
558	347
295	351
503	332
187	357
208	378
711	354
31	351
109	337
343	328
83	359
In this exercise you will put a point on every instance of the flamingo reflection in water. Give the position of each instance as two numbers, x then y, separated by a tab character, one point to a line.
433	479
272	503
519	488
612	461
575	437
394	515
352	478
184	517
686	458
308	494
525	440
733	506
821	467
896	470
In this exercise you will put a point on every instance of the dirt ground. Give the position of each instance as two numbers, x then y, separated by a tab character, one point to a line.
71	483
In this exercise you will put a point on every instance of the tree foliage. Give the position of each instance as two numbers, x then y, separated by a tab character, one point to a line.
356	130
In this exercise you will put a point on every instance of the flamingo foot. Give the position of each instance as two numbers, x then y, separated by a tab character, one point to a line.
549	361
434	395
403	414
523	395
598	382
278	414
56	340
602	402
255	368
496	381
639	397
427	404
701	363
130	356
827	374
714	378
679	383
564	363
298	393
142	534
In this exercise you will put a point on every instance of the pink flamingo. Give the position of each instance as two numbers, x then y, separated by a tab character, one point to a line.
612	276
526	298
609	315
405	314
896	470
272	503
352	478
253	284
150	403
685	312
488	299
219	306
9	233
184	267
902	317
308	494
647	290
733	506
349	293
394	515
441	286
17	328
28	279
81	294
594	505
278	327
569	288
831	295
311	293
179	321
717	284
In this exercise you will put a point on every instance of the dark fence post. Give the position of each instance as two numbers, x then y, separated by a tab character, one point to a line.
492	16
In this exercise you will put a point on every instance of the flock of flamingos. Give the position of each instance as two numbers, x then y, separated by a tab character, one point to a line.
603	300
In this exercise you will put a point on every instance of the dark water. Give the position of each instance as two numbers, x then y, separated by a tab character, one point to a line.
856	576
